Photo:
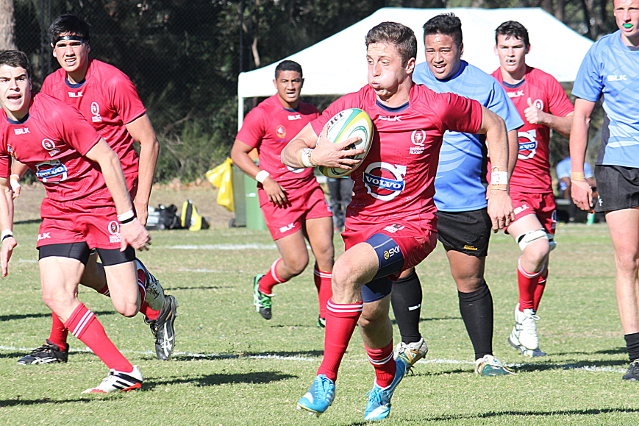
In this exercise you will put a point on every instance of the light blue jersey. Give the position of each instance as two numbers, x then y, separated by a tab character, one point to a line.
611	69
460	184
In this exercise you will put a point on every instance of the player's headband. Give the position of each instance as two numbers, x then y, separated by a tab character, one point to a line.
69	37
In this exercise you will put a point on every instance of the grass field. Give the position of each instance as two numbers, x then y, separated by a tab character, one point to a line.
233	368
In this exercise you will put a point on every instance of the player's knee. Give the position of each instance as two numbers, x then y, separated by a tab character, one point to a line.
296	266
126	308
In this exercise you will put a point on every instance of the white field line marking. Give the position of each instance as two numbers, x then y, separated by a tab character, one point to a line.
315	359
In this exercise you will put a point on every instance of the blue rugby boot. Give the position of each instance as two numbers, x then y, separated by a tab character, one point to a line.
319	397
379	400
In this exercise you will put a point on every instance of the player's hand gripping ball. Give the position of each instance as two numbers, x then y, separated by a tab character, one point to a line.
345	125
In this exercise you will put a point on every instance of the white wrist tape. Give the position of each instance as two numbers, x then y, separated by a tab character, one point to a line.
261	176
14	181
306	157
499	178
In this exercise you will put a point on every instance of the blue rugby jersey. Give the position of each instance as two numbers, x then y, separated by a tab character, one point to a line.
611	69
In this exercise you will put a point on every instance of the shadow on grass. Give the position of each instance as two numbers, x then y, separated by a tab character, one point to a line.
212	287
19	317
192	357
615	351
571	365
18	402
263	377
503	415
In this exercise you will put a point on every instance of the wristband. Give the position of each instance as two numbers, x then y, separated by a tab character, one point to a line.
499	187
499	178
306	157
126	217
497	168
261	176
577	176
7	233
14	181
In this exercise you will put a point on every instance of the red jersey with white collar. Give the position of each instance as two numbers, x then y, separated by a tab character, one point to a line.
395	180
269	127
52	140
108	100
532	172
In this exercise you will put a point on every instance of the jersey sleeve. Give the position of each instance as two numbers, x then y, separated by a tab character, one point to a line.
459	114
589	81
125	99
345	102
500	104
558	102
253	128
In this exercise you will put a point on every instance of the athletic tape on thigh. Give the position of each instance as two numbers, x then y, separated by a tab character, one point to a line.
528	237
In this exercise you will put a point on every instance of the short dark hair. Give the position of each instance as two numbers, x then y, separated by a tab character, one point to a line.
402	37
69	24
446	24
513	29
15	59
288	65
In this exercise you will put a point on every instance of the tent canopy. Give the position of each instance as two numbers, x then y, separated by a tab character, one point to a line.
337	65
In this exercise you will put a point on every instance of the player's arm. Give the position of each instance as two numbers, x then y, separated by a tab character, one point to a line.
142	131
535	115
513	150
6	223
240	156
580	190
131	229
306	150
500	207
17	171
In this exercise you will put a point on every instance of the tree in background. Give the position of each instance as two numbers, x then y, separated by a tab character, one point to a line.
185	56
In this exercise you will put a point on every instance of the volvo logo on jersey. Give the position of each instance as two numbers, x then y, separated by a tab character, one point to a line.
384	181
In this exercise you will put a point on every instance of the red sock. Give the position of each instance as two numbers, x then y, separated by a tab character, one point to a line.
323	285
382	360
268	281
105	290
145	310
59	332
541	286
85	326
527	285
340	324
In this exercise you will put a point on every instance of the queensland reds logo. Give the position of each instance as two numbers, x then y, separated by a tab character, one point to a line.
539	104
280	131
384	181
49	146
114	230
418	138
527	144
95	110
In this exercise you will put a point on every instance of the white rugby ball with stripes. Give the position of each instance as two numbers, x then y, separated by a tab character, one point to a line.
344	125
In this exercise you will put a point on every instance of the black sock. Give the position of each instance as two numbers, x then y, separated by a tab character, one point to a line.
406	299
632	344
476	309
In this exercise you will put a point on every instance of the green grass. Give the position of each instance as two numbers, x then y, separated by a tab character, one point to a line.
233	368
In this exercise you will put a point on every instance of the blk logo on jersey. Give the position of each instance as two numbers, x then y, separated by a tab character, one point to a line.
527	144
51	171
95	111
294	117
384	181
44	236
617	78
517	94
114	230
389	118
75	95
22	131
280	131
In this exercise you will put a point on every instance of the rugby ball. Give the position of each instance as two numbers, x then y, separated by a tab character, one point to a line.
345	125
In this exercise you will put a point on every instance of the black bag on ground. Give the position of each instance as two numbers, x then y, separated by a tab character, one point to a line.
163	217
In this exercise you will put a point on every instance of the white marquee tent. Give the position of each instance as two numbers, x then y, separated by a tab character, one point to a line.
337	65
